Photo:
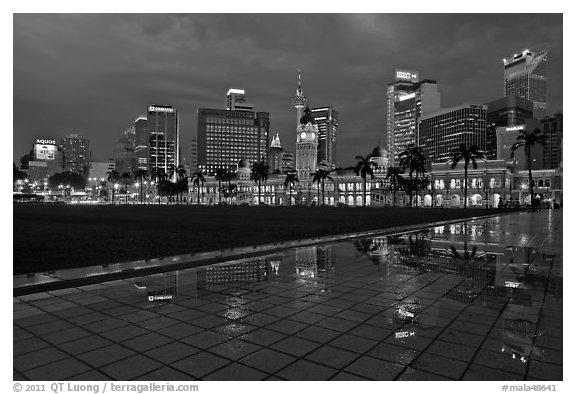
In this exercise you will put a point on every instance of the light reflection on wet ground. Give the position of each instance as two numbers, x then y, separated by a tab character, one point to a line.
481	300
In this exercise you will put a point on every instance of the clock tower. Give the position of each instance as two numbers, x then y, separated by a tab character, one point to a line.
306	146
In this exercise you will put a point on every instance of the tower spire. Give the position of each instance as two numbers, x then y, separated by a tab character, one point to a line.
299	90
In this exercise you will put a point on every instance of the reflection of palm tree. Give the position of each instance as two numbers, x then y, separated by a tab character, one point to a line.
466	255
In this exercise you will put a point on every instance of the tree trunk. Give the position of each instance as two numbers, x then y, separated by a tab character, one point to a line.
290	195
364	200
529	155
465	184
394	193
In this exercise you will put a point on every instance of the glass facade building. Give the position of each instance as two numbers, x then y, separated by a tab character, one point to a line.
162	130
552	130
443	131
525	75
326	118
505	111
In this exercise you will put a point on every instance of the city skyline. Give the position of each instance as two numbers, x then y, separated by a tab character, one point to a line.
119	73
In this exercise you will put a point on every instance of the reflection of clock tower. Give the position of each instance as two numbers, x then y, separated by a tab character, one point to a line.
306	137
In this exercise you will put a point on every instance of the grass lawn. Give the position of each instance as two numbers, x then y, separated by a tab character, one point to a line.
50	236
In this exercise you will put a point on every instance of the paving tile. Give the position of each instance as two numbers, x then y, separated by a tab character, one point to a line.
295	346
307	317
180	330
124	333
479	372
28	345
209	321
501	361
263	336
337	324
332	357
235	328
200	364
393	353
85	344
306	370
37	358
157	323
439	365
58	370
90	375
165	374
106	355
236	372
171	352
545	371
345	376
206	339
371	332
234	349
461	338
412	374
146	342
452	350
286	326
353	343
318	334
268	360
131	368
375	369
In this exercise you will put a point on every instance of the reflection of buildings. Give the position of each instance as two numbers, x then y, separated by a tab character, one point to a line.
307	261
245	271
159	288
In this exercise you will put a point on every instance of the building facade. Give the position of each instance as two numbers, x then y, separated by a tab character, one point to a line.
508	136
226	136
408	99
76	154
326	119
236	101
443	131
525	75
552	130
505	111
275	155
141	143
163	143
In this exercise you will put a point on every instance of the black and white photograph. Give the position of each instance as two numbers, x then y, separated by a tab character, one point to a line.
299	195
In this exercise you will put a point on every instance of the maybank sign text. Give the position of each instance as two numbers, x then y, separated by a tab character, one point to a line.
160	109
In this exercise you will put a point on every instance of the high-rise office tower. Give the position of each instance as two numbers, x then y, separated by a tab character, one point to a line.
163	143
525	75
225	137
142	139
124	156
193	162
408	100
76	154
287	161
505	111
326	118
443	131
130	135
506	136
552	130
236	101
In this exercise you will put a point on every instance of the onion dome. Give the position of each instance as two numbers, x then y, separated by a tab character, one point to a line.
244	163
307	118
379	151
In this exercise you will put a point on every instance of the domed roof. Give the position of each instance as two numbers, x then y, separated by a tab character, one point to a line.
244	163
379	151
307	118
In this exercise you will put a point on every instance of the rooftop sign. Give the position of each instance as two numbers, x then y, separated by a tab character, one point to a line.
515	128
406	75
160	109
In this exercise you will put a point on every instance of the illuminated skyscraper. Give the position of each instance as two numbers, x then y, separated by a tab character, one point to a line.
141	148
326	118
408	99
525	75
76	152
443	131
236	101
163	138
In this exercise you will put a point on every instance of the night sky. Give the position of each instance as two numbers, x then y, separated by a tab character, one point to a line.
93	74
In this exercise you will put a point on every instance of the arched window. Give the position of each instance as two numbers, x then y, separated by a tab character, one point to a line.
540	182
547	182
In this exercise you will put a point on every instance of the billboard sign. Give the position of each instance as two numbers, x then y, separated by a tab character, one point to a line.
44	149
406	75
160	109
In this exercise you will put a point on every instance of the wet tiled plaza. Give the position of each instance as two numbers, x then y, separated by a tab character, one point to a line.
479	300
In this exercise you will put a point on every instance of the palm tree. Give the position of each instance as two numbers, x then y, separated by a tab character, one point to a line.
179	174
413	159
140	176
259	173
291	178
320	176
529	140
126	179
198	180
364	168
221	175
468	155
393	176
113	177
158	175
182	186
229	191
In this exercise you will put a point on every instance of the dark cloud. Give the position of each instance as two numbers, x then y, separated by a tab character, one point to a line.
93	73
